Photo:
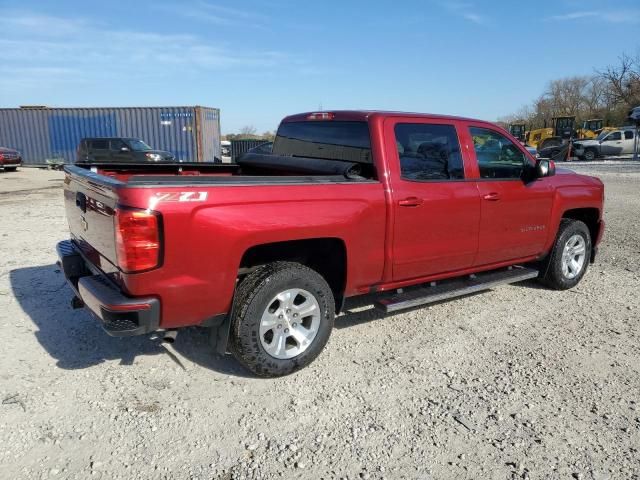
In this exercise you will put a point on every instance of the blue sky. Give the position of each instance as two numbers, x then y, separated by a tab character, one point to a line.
259	61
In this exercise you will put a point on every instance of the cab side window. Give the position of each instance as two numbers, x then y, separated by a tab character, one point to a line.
429	152
628	134
498	157
117	145
614	136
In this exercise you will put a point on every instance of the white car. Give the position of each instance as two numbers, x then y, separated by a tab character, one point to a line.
614	143
225	148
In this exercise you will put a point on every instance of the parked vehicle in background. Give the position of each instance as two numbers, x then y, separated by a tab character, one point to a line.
225	151
264	149
264	252
10	159
119	150
608	143
518	130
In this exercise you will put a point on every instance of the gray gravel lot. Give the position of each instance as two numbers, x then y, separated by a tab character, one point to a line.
518	382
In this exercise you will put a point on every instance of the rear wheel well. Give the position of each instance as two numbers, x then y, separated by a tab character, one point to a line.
327	256
589	216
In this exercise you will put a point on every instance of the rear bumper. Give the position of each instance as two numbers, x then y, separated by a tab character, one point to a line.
10	163
120	316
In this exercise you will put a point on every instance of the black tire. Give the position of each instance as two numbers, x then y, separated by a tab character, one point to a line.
590	154
252	298
10	169
552	272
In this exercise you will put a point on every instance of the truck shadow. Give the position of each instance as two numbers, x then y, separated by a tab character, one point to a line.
75	339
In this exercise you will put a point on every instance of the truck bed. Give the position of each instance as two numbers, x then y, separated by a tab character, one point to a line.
254	170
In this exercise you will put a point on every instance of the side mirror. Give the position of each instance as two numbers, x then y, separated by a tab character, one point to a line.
545	168
124	149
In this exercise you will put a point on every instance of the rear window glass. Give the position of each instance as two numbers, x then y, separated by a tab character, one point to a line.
345	141
100	144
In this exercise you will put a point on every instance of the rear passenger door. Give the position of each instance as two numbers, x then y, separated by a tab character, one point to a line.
516	208
436	210
99	151
629	142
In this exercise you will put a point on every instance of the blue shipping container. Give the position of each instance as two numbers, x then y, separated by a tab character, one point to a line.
192	134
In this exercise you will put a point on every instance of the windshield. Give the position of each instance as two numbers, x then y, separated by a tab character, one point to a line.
138	145
602	135
329	140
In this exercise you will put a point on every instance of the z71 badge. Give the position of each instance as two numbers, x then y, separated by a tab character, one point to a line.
181	197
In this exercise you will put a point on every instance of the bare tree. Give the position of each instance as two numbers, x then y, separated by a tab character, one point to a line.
248	131
623	81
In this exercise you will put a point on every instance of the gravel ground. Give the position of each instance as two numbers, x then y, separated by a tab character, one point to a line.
518	382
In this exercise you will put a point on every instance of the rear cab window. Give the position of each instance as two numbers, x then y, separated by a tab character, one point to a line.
100	144
346	141
428	152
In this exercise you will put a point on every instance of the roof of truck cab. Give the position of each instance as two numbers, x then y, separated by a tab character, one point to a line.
363	115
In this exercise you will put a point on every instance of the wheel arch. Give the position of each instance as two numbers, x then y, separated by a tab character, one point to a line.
590	216
325	255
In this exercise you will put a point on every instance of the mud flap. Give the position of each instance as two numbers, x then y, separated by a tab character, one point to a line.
219	335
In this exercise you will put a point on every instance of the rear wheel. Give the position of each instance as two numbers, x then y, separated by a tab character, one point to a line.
567	263
283	317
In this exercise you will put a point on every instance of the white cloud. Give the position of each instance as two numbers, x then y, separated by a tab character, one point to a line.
466	10
216	14
79	50
474	17
622	16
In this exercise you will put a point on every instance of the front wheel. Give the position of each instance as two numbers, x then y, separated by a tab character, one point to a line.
567	263
283	317
590	154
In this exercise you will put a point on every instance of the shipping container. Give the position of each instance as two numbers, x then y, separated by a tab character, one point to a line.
192	134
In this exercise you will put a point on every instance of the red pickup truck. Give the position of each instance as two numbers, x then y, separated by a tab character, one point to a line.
412	208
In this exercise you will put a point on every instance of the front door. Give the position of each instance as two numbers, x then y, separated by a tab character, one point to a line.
515	212
117	152
612	144
436	209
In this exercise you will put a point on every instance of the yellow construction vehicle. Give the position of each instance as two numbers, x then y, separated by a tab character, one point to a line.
518	130
562	128
592	128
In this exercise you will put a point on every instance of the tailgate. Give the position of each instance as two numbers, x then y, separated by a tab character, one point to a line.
90	201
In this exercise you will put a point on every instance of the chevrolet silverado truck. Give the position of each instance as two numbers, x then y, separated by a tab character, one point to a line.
407	208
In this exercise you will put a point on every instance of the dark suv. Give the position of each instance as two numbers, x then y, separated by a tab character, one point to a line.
118	149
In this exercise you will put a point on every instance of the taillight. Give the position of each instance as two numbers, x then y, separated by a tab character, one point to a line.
137	239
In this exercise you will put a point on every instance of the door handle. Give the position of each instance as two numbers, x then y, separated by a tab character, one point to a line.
492	197
411	202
